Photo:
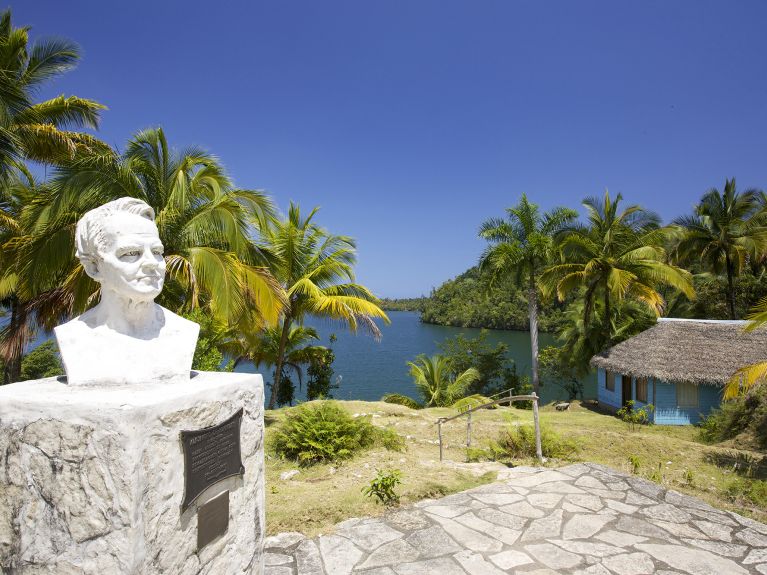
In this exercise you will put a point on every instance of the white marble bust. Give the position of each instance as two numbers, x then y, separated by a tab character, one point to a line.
126	338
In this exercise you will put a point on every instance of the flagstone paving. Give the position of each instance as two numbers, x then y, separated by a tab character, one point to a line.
583	519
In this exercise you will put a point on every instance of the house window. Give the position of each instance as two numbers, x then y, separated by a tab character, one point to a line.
641	392
686	395
610	380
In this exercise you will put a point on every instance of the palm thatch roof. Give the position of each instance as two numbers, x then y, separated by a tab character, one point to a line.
703	352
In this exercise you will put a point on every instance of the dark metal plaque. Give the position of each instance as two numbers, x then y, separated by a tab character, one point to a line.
212	519
210	455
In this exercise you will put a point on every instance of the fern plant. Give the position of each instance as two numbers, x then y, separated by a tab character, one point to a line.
322	431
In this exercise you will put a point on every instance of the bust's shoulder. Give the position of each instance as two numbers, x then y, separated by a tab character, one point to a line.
77	326
176	322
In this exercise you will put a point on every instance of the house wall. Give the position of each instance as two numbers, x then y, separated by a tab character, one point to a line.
668	413
607	398
662	395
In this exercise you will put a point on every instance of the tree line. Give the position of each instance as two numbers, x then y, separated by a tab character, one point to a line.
250	273
618	269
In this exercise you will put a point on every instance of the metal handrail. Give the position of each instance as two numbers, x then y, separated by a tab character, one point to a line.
532	397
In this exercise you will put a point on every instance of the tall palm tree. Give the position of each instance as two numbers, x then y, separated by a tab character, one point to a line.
521	247
15	191
619	255
39	131
316	270
204	222
31	131
262	348
433	380
726	230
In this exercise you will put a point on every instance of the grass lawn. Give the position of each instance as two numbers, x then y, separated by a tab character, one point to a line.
322	495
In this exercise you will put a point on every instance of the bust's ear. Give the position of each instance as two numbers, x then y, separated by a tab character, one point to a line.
91	267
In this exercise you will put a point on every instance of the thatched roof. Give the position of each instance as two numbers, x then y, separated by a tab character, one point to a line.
697	351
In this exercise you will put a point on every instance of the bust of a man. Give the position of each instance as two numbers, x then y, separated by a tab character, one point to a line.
127	338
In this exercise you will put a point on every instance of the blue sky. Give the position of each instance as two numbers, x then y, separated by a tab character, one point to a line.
410	122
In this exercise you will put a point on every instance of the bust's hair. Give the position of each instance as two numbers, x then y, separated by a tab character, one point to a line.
91	228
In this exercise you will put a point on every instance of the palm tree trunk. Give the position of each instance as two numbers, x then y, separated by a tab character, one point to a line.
280	361
532	309
730	286
607	323
12	371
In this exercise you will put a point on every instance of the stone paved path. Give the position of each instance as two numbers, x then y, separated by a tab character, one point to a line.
582	519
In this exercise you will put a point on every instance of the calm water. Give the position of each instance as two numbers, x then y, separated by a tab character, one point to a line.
369	369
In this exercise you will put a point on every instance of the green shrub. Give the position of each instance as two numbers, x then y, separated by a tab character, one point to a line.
634	416
389	439
519	442
752	491
43	361
382	486
524	388
321	431
735	416
400	399
635	463
476	454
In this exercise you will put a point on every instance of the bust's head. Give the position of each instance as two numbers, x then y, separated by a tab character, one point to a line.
119	247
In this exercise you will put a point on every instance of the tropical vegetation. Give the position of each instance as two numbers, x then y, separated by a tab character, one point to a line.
324	431
521	247
229	254
435	382
726	233
316	271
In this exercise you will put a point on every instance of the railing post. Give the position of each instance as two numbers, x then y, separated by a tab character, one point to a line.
468	431
439	430
538	451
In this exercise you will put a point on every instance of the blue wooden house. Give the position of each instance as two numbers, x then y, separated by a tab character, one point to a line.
678	365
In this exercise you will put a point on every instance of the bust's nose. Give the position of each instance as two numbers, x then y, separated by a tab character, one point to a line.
149	260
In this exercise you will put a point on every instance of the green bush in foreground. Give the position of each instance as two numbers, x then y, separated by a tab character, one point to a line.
518	442
399	399
323	431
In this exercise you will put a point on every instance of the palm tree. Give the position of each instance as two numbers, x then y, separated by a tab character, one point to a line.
16	190
262	348
726	230
205	224
521	247
619	255
316	270
38	131
31	131
751	375
432	378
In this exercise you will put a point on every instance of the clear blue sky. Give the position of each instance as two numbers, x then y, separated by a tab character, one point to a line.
410	122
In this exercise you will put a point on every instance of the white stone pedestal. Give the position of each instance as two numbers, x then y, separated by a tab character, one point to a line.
92	479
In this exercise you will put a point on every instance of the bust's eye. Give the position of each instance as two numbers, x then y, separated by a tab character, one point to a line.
130	254
157	251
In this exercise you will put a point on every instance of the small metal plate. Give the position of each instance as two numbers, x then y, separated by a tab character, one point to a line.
212	519
210	455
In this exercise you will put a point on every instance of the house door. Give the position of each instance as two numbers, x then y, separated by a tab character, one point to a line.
626	397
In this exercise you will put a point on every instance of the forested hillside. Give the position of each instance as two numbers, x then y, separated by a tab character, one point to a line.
469	301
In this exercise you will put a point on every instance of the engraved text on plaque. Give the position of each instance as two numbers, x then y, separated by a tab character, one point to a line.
210	455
